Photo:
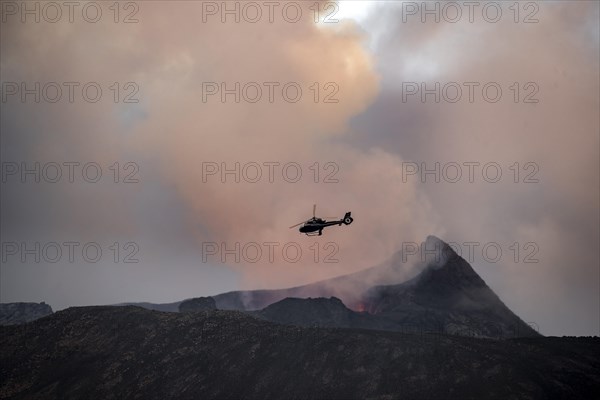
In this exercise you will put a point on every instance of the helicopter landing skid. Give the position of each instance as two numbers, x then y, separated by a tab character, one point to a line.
319	233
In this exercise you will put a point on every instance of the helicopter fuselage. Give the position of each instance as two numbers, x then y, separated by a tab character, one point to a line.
318	224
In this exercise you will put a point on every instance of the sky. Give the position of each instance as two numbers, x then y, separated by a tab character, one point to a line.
157	151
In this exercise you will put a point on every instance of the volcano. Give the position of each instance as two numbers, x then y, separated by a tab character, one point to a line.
447	296
443	295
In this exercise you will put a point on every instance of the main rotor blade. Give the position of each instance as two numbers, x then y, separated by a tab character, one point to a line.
314	209
297	224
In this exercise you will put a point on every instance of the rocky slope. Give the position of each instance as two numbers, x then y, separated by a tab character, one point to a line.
130	352
198	304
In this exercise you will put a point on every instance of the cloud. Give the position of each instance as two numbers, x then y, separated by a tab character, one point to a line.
174	131
558	134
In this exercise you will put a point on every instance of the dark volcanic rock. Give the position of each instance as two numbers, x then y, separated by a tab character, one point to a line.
166	307
129	352
305	311
321	312
198	304
20	313
310	312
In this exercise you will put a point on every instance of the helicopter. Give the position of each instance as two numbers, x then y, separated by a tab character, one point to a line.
312	226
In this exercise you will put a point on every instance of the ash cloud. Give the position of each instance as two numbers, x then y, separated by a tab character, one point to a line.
368	134
172	131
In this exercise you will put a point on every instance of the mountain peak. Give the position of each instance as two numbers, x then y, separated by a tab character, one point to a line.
434	239
437	252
